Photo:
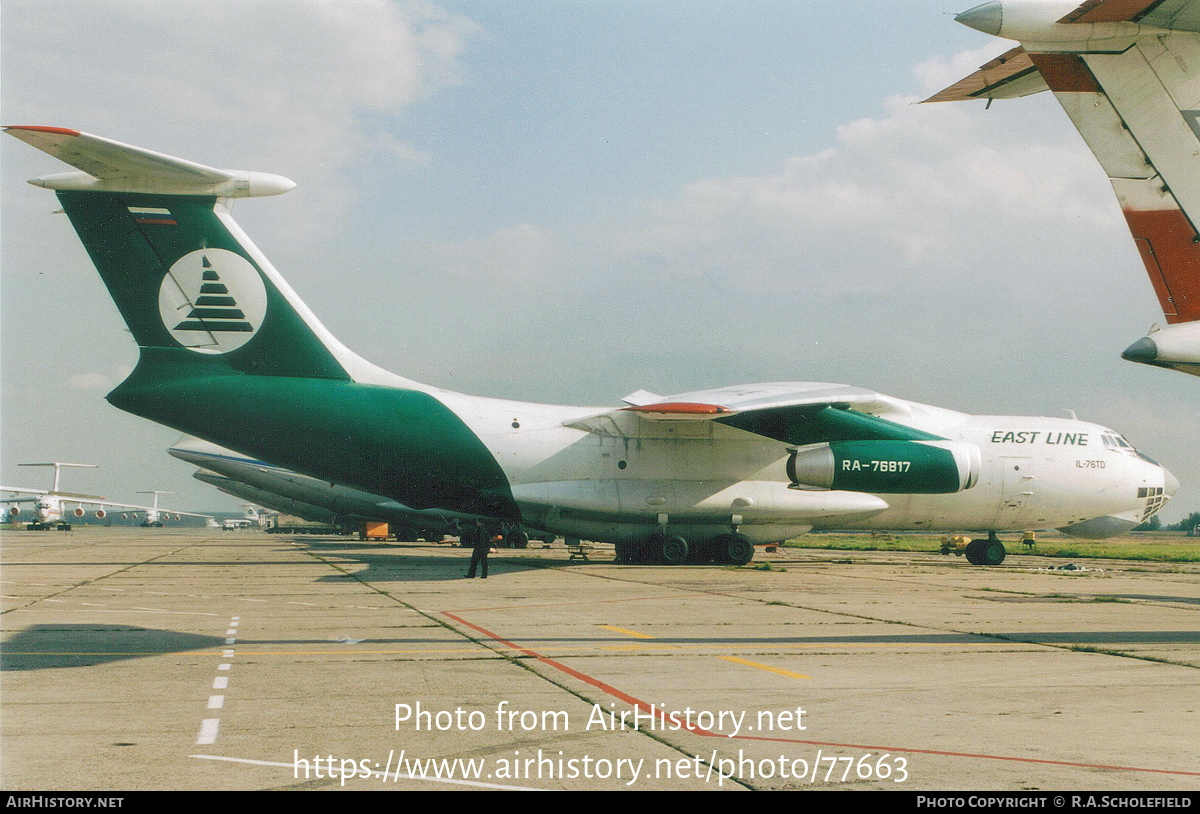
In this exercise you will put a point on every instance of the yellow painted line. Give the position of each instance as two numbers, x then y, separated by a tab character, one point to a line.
767	667
632	633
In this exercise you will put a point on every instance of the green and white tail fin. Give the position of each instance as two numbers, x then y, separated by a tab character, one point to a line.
196	293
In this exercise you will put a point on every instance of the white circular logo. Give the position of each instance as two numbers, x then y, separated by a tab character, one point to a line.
212	301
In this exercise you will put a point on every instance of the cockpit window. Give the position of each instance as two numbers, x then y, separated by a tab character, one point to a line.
1117	444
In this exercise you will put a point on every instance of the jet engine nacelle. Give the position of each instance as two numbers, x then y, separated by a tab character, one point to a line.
78	511
101	514
887	467
13	511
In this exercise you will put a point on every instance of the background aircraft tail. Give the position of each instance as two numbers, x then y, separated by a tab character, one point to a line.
1128	75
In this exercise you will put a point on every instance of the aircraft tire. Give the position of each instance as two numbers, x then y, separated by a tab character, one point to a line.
974	552
673	548
738	550
993	552
516	538
625	552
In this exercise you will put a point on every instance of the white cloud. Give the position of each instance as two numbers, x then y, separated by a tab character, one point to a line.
938	72
894	203
290	86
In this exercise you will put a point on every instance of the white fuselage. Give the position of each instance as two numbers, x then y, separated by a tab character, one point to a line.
622	478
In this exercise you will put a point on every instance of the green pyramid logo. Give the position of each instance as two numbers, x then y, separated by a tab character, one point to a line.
215	310
212	300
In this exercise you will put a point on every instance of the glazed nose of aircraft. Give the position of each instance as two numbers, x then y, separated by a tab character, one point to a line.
1170	484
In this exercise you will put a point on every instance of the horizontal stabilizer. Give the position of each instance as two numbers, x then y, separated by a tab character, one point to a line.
110	166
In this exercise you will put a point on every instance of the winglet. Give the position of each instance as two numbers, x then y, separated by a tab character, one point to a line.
111	166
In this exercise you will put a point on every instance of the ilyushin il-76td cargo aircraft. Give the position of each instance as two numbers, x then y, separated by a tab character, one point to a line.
1127	72
230	354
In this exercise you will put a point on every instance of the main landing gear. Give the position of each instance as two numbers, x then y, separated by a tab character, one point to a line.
671	549
978	552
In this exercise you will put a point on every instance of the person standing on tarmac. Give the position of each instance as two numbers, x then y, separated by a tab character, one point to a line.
482	543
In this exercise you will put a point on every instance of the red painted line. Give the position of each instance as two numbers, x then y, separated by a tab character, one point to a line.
978	756
600	685
680	408
1164	239
64	131
629	699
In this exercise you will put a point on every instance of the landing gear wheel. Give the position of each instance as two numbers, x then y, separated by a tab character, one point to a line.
740	551
674	549
993	552
516	538
974	552
625	552
734	549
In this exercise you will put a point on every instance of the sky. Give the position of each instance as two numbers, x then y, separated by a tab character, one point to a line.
568	201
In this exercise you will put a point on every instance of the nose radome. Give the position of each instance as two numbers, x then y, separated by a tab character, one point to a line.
1170	484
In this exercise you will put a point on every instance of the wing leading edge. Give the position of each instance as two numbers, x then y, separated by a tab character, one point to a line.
792	413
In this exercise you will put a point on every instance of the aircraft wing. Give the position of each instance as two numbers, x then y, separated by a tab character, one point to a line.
160	509
799	414
1009	76
108	504
1178	15
23	492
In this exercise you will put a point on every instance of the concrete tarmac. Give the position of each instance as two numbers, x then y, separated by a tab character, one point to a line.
196	659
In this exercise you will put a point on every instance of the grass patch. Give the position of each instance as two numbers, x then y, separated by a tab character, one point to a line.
1152	547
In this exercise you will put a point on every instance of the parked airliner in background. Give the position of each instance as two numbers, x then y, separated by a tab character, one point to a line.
1127	72
52	507
230	354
